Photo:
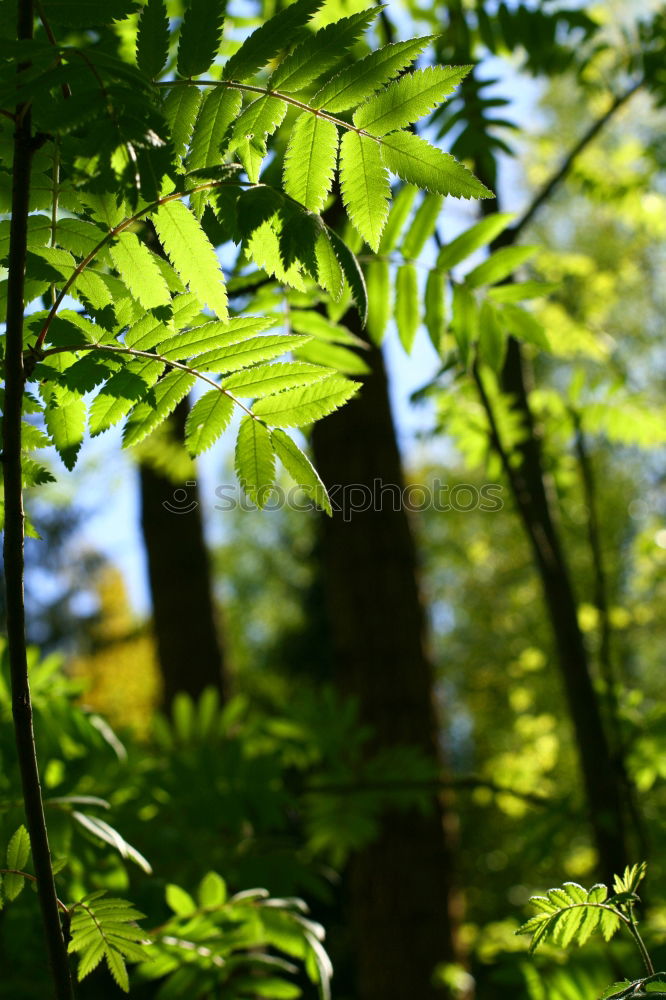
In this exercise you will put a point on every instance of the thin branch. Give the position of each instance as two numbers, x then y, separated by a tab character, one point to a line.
31	878
112	233
65	87
542	196
14	536
605	631
505	459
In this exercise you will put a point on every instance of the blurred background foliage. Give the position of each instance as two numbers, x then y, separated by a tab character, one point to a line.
274	777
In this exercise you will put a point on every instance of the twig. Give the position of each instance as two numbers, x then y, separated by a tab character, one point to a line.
542	196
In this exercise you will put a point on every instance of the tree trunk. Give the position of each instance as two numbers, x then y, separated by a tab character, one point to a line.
602	777
189	649
400	885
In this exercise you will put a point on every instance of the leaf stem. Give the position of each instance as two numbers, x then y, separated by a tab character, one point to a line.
266	92
14	538
121	349
32	878
112	233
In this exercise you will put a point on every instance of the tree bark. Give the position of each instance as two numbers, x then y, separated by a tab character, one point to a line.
400	885
189	648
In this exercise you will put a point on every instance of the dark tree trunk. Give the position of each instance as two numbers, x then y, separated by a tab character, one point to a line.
400	885
189	649
602	779
601	770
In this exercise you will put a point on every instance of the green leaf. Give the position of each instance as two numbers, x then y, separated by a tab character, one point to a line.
77	236
417	162
255	460
499	265
18	849
102	927
259	120
263	380
209	336
300	469
522	325
121	392
159	403
200	35
520	291
464	320
207	419
320	52
177	899
86	13
408	99
400	209
422	226
352	85
333	357
249	352
152	43
91	958
609	924
378	278
472	239
66	423
631	879
106	833
138	269
492	341
218	111
263	247
191	253
365	186
434	301
321	327
181	107
353	274
267	40
329	272
310	160
299	407
407	305
212	891
617	990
